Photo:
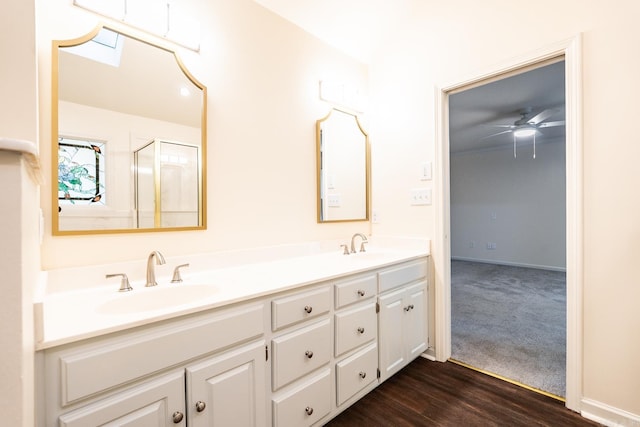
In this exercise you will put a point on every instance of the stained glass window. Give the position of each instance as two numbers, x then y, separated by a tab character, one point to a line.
81	171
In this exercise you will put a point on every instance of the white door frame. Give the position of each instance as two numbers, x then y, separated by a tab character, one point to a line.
571	49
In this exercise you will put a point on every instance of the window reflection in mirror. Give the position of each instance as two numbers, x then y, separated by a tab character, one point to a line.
342	168
123	92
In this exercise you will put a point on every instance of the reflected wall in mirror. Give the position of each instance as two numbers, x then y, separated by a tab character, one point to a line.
342	168
113	95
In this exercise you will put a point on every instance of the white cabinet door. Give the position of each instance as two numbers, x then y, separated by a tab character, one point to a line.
402	326
154	403
391	333
229	389
416	320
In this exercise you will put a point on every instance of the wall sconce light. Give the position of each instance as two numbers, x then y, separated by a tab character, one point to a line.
342	95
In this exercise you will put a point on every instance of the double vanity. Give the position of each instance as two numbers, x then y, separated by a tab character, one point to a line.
277	339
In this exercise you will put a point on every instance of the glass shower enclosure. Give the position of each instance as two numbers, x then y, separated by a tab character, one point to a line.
167	193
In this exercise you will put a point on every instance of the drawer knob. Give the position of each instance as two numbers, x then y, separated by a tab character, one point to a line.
361	292
309	354
361	330
308	410
308	309
200	405
177	417
363	374
411	307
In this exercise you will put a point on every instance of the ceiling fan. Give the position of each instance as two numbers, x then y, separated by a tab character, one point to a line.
529	125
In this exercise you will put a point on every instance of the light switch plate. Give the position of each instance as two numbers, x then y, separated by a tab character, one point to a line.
426	172
420	196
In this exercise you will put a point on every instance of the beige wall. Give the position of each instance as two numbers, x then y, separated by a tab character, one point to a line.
451	41
18	213
262	76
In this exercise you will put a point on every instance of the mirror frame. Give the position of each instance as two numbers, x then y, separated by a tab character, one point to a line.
319	169
202	156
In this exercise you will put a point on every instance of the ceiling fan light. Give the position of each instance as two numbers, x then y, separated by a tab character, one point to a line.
524	132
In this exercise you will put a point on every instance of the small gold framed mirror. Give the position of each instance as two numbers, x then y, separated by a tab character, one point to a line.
343	168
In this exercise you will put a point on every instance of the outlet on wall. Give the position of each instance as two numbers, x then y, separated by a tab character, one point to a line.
491	246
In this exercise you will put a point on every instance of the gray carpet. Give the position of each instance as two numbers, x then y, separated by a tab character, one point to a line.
510	321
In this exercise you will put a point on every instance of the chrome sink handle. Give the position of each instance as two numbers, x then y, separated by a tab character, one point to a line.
177	278
346	249
124	282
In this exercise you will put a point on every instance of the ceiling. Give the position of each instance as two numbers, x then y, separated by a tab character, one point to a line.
473	112
356	27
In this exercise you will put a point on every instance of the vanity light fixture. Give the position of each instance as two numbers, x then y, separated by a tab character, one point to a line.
342	95
169	19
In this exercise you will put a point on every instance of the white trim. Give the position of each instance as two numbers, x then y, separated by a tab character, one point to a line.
508	263
608	415
571	49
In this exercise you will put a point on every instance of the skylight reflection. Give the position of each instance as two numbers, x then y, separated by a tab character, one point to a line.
105	47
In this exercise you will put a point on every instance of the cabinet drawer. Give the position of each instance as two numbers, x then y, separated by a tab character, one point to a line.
401	275
356	372
84	370
301	306
304	405
300	352
355	290
355	327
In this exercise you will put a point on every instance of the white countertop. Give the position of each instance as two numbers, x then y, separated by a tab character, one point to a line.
67	315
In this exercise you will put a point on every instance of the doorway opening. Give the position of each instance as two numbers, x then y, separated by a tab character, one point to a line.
507	218
570	50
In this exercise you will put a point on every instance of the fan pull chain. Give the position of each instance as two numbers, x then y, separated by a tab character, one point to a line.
534	145
514	146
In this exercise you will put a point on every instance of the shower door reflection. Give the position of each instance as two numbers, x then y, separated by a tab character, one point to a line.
167	193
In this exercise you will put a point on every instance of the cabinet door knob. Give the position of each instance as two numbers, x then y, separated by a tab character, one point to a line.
361	292
411	307
308	410
363	374
309	354
308	309
361	330
200	405
177	417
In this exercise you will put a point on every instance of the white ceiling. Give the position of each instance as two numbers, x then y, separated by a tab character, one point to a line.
356	27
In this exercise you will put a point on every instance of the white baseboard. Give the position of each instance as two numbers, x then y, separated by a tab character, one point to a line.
509	263
608	415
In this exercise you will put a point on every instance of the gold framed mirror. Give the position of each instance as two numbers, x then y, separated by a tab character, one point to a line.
343	168
115	95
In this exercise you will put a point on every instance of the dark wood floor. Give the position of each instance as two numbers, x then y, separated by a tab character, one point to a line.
429	393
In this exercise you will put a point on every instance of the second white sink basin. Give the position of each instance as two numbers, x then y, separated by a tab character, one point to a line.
156	298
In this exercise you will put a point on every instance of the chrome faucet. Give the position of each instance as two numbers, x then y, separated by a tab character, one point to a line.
151	272
353	238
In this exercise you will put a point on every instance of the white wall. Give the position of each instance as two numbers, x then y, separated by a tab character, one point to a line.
262	75
516	203
448	42
18	213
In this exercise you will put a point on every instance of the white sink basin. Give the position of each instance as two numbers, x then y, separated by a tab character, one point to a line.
156	298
